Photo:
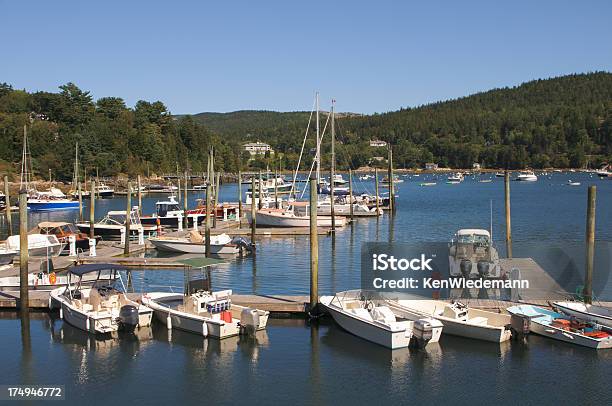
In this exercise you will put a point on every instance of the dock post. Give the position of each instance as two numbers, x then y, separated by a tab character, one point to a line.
253	212
391	183
239	195
590	245
185	205
128	218
377	194
260	192
314	248
23	251
92	210
332	170
139	196
207	225
7	211
351	194
508	221
80	194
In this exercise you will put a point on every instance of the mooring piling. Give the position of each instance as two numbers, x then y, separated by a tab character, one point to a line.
508	217
314	247
207	224
590	245
139	195
253	212
80	194
7	210
23	251
376	187
186	205
128	217
239	195
92	210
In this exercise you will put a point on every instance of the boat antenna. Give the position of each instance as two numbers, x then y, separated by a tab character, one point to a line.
491	219
318	157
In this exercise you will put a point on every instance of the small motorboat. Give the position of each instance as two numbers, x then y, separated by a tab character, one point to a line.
372	319
48	279
209	314
572	183
485	181
458	319
592	313
455	178
499	174
7	256
194	244
53	199
63	231
472	255
527	176
296	215
101	308
39	245
168	213
557	326
111	225
428	184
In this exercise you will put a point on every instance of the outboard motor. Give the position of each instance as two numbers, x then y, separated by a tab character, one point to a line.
466	268
422	333
243	244
249	321
519	326
128	317
483	268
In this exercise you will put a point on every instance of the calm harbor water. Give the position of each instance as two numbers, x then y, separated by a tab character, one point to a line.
319	363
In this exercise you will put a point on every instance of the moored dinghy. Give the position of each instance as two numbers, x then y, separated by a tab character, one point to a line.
371	319
549	323
458	319
592	313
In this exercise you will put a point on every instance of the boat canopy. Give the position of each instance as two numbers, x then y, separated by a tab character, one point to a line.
81	270
472	231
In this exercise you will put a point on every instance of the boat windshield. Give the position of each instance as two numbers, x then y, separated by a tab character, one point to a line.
69	229
476	239
118	219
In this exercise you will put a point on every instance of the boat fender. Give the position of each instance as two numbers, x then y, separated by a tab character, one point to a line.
169	322
204	329
52	278
87	324
61	313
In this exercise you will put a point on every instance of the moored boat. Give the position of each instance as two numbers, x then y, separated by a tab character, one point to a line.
194	244
592	313
39	245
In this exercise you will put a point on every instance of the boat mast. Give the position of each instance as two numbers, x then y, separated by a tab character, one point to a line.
318	155
26	163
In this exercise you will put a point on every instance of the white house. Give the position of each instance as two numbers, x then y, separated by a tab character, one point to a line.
257	148
476	166
429	166
378	143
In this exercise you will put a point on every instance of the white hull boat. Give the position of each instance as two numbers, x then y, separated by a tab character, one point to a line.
47	281
209	314
527	177
595	314
287	218
555	325
472	255
194	244
371	320
458	319
39	245
99	309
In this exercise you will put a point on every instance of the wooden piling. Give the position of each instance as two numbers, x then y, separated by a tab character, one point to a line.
216	201
590	245
240	214
7	211
92	209
351	194
391	183
23	251
253	212
207	224
186	205
139	196
508	217
260	192
275	189
314	247
80	195
128	210
332	171
376	187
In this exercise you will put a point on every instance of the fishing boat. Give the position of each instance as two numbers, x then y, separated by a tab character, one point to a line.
527	176
272	185
194	244
472	255
50	200
455	178
63	231
39	245
592	313
371	319
557	326
296	215
343	208
169	213
209	314
458	319
104	191
101	308
111	225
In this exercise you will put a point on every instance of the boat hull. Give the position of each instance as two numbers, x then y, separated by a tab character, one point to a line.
277	219
41	205
580	311
187	247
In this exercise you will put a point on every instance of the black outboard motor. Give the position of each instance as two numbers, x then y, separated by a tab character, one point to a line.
128	317
483	268
243	244
466	268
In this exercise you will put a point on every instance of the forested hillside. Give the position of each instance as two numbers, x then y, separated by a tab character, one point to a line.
561	122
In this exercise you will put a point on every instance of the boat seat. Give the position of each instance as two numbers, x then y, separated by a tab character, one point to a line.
383	314
362	314
352	304
481	321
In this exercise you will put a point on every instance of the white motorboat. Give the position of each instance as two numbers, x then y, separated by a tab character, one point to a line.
49	280
371	319
39	245
343	208
458	319
194	244
551	324
209	314
428	184
111	225
572	183
101	308
338	179
103	191
455	178
52	199
296	215
266	199
592	313
7	255
472	255
169	213
527	176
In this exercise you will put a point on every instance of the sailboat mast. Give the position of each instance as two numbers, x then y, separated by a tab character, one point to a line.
318	157
24	182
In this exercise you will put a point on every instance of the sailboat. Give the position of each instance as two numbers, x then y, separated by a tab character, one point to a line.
52	199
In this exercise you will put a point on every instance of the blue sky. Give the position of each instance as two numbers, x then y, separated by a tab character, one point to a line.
371	56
